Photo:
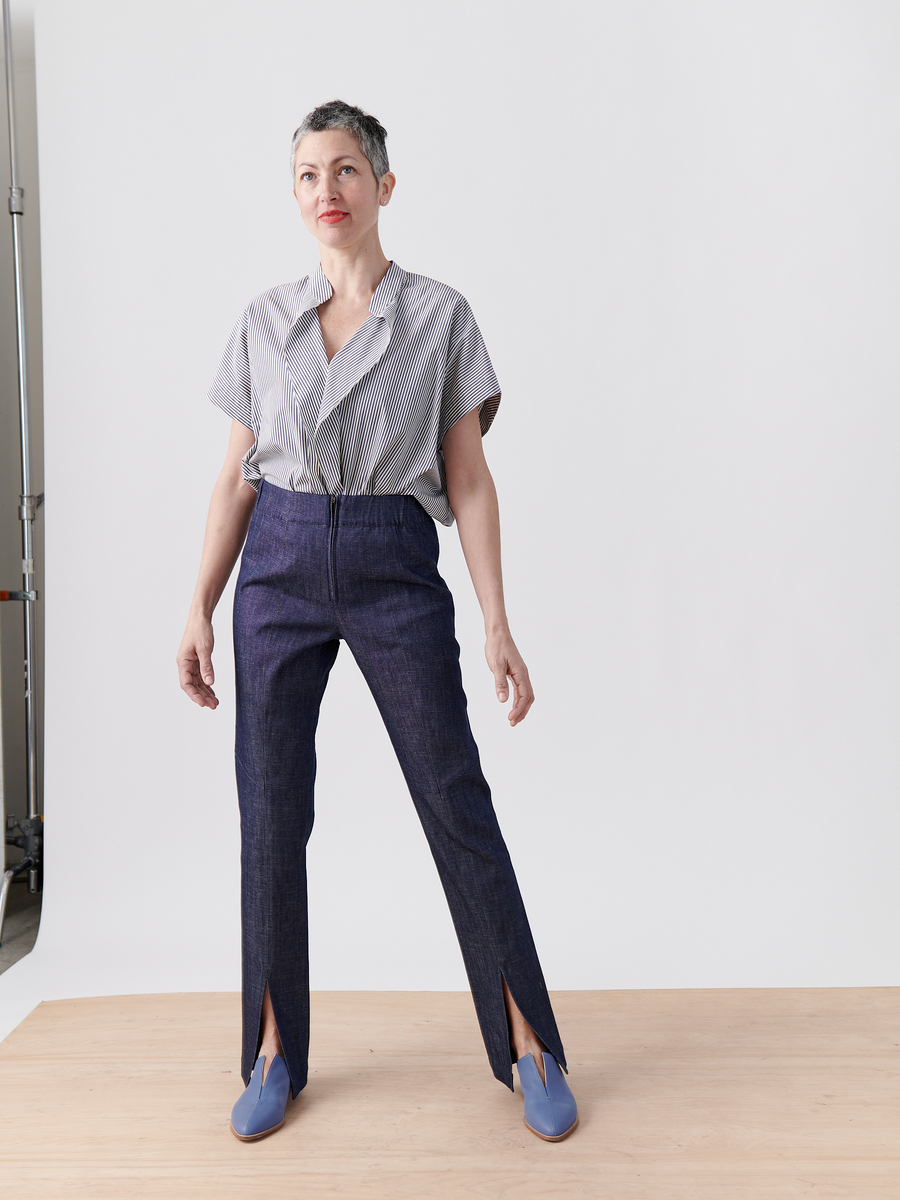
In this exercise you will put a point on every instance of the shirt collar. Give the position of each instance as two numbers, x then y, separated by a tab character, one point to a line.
388	292
316	290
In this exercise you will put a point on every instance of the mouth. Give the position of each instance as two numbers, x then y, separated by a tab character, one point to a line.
332	216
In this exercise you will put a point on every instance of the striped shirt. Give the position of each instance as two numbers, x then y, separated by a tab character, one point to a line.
371	421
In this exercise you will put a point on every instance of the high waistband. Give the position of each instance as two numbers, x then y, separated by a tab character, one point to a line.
311	509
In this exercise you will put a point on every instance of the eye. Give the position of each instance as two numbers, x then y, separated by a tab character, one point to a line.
348	168
306	175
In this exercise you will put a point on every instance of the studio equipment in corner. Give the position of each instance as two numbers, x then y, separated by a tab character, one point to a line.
25	832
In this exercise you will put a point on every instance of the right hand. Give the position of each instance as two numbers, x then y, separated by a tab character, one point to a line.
194	661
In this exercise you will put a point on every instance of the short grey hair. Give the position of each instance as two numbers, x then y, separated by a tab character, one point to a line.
337	114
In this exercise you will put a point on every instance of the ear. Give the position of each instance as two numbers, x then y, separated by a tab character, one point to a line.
386	186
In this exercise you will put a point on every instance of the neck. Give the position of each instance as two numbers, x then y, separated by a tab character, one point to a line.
354	272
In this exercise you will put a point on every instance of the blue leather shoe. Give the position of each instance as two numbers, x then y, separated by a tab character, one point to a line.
260	1108
550	1111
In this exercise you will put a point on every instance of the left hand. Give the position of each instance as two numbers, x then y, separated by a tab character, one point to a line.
507	663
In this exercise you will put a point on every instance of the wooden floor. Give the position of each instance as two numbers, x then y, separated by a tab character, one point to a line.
716	1095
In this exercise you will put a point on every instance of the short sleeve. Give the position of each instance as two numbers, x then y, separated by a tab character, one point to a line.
231	389
469	379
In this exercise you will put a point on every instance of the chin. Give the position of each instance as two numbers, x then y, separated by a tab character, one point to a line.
334	232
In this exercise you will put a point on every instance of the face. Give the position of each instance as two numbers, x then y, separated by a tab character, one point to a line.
336	188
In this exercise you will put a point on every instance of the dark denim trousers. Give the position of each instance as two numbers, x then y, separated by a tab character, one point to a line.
315	570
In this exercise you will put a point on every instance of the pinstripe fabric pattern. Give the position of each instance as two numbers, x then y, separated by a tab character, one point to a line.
370	422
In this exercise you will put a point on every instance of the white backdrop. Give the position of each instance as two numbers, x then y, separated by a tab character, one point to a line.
676	224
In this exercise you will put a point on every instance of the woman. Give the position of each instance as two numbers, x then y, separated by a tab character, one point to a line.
358	398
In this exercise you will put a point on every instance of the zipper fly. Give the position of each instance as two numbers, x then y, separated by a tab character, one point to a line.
332	572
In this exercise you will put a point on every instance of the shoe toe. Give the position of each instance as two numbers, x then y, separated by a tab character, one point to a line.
260	1107
550	1109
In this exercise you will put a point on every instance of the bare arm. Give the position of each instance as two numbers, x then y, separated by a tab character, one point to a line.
473	498
230	510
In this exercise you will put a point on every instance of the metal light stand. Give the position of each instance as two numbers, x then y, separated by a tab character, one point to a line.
30	829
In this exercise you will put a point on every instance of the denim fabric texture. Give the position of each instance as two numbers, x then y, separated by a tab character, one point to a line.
363	569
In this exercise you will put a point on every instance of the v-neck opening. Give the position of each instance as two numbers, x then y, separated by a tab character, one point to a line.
329	361
381	286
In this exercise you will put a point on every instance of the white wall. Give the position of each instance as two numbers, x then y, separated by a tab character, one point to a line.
676	224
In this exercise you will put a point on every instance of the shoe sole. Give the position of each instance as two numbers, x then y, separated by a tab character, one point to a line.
559	1137
254	1137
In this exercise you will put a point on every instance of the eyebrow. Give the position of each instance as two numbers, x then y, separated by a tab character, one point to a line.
340	158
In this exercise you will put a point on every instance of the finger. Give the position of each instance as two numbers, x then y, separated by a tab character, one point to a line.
205	698
501	685
191	683
524	694
184	664
206	667
195	659
199	656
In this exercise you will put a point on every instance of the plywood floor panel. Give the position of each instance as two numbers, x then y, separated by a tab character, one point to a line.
684	1095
